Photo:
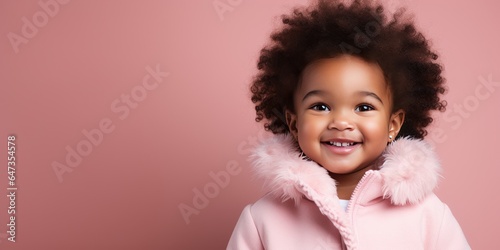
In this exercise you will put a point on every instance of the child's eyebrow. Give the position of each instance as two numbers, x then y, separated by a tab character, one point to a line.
313	92
364	93
368	93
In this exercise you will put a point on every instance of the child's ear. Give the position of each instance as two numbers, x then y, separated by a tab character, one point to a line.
291	121
395	124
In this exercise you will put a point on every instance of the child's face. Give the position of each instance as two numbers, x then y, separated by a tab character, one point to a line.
343	116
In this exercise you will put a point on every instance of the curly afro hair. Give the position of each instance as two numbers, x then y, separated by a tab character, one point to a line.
331	28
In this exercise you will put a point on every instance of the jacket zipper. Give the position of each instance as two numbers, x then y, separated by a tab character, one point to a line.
354	197
361	184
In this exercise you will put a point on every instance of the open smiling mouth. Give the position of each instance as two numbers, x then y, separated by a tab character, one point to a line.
341	147
340	144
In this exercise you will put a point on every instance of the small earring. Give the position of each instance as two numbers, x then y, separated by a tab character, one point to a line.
390	137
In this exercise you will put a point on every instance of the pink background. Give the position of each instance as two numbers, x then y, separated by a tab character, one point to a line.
84	56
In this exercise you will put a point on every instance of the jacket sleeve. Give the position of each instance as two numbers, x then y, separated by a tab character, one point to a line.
450	234
245	235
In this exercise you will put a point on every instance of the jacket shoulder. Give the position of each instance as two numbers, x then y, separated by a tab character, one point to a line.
442	226
270	208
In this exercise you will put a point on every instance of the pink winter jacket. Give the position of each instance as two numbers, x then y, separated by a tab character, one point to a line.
391	208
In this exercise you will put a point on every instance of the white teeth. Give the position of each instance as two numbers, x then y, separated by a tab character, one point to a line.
341	144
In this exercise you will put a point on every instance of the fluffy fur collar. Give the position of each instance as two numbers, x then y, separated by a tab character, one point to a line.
409	172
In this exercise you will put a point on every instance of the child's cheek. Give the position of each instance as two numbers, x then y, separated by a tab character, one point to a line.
376	129
312	126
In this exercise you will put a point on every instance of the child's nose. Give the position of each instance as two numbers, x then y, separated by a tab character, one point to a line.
340	121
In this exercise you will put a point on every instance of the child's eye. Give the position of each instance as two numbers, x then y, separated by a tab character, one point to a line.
320	107
364	107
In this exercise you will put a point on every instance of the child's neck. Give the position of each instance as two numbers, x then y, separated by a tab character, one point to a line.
346	183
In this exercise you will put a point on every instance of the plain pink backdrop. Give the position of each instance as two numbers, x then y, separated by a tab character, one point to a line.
167	143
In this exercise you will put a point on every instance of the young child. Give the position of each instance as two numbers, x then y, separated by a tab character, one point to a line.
348	94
